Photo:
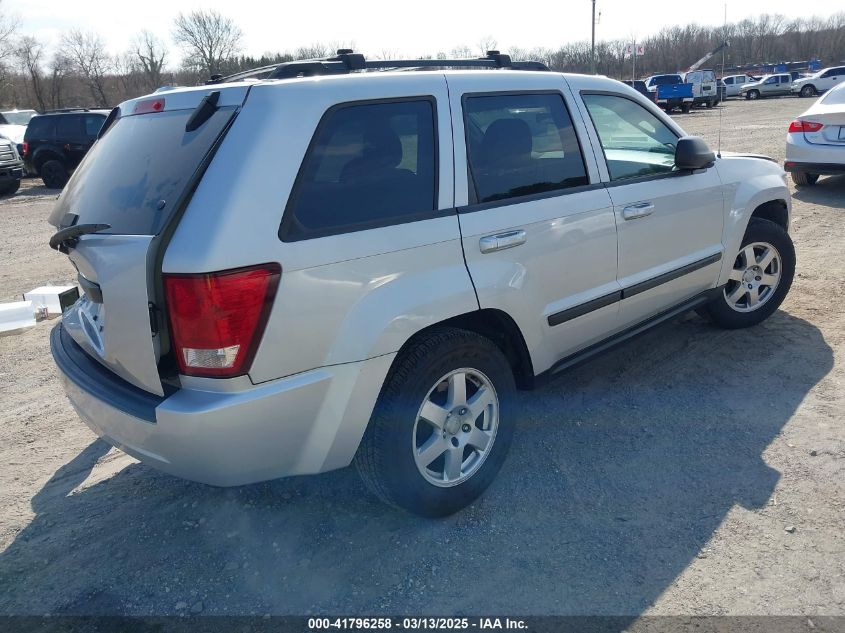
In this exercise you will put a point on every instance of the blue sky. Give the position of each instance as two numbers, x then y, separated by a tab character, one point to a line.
405	28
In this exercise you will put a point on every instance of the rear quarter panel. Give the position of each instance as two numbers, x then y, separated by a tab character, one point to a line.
342	298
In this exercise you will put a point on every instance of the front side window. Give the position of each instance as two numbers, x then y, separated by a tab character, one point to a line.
521	144
369	165
635	142
771	80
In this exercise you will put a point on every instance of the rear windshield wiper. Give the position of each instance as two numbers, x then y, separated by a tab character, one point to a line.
66	239
203	112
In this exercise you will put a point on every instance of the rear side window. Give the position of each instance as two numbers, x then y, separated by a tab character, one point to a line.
635	142
521	144
41	128
134	177
369	165
69	127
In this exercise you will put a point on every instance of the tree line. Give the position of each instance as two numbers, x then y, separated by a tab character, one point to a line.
78	71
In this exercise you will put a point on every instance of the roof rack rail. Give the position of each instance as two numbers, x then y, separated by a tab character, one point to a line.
347	61
60	110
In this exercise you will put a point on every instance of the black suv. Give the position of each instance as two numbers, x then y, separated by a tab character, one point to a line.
55	142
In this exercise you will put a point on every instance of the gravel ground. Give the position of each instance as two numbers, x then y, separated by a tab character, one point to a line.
693	471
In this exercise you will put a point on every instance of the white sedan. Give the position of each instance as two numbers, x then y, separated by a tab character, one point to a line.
815	144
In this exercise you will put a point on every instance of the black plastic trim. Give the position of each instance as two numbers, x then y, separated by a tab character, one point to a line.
285	228
595	304
543	195
580	310
614	341
99	381
824	169
648	284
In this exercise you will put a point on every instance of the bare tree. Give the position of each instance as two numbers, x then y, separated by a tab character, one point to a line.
87	54
29	54
487	43
208	38
60	67
151	55
8	26
314	51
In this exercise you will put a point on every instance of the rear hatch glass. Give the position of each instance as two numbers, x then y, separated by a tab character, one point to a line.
135	174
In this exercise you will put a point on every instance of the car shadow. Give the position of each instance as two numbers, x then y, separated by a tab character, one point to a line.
619	473
828	191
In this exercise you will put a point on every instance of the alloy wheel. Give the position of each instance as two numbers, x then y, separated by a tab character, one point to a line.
455	427
754	278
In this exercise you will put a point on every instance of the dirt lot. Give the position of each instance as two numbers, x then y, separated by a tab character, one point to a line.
694	471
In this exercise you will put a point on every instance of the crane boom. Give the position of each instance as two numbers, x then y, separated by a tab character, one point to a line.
701	61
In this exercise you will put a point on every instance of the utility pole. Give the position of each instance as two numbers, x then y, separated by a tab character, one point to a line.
593	46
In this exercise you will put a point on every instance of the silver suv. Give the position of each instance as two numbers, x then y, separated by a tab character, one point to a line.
286	275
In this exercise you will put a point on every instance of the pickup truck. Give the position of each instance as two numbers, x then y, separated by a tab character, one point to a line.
670	92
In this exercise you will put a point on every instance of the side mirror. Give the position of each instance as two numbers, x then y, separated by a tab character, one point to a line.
692	153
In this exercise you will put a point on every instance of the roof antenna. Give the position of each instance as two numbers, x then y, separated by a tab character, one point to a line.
721	106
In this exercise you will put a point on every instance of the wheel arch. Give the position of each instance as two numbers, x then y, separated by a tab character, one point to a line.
42	156
773	210
497	326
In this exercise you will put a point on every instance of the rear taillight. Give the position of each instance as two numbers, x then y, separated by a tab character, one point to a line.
799	126
217	319
24	148
150	105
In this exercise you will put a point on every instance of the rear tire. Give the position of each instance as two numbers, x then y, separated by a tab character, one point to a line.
808	91
54	174
803	178
10	189
435	468
766	261
686	108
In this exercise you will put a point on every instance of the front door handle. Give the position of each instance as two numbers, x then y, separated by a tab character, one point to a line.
639	210
501	241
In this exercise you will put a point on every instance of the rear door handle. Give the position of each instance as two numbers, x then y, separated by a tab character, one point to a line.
501	241
639	210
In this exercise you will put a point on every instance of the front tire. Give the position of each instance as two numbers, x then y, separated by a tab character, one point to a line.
759	280
686	108
803	178
808	91
11	188
752	94
442	426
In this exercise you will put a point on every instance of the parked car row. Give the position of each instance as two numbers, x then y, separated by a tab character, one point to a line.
50	145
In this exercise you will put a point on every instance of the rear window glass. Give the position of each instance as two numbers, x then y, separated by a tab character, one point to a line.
135	175
664	80
369	165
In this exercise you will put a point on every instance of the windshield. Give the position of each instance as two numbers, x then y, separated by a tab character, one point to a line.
135	175
21	117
